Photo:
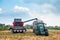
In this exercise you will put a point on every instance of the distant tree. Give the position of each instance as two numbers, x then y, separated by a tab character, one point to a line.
56	26
28	26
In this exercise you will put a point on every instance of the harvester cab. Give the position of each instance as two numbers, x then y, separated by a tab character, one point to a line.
18	22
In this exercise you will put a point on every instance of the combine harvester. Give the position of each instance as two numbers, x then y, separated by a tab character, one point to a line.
38	26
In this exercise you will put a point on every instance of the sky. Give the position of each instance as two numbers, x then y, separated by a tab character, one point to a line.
46	10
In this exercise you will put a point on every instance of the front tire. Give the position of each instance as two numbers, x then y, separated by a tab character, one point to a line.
14	31
46	33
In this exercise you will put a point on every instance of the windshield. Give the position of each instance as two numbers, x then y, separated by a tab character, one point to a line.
17	23
41	25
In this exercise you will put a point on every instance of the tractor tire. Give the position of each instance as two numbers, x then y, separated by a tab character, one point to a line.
46	33
37	33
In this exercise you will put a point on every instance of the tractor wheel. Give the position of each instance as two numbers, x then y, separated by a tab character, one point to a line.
36	32
46	33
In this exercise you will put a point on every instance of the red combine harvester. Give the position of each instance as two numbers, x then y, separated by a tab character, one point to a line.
18	25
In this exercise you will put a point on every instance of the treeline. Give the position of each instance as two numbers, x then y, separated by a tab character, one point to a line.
48	27
53	27
28	26
6	27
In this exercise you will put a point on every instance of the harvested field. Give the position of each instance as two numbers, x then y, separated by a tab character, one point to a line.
29	35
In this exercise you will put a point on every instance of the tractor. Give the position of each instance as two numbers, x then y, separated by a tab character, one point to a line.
39	28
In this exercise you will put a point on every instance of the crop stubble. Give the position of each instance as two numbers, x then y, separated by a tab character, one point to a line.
29	35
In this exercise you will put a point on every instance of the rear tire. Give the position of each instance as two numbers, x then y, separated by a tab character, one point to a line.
46	33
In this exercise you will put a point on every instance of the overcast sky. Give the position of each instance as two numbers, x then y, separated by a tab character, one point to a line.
46	10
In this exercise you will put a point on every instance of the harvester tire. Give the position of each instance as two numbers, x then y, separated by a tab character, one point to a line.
21	31
13	31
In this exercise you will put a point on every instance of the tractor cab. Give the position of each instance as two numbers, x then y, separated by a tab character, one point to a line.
40	26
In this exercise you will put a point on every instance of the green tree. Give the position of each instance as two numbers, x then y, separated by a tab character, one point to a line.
28	26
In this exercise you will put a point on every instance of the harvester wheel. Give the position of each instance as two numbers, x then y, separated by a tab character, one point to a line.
24	30
17	30
14	31
21	31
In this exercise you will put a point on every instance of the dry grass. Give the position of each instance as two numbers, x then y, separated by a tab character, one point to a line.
6	35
